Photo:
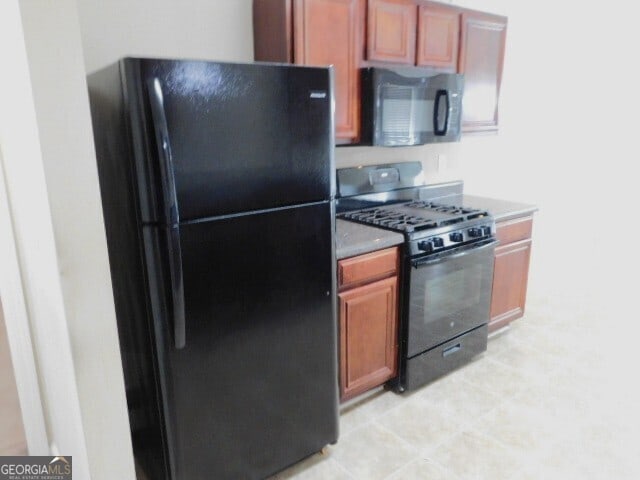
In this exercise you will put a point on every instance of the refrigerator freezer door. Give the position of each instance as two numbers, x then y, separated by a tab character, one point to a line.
241	137
254	389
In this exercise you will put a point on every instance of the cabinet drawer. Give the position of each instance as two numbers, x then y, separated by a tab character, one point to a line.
368	267
514	230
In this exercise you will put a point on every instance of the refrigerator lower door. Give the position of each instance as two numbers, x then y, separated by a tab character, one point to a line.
254	389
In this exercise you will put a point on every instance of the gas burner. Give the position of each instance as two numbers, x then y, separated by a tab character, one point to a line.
392	219
439	207
414	216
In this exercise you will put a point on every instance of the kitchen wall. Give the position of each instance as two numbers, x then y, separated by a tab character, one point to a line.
567	139
198	29
55	279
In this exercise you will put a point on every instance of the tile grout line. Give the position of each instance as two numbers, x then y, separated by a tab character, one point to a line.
341	467
374	422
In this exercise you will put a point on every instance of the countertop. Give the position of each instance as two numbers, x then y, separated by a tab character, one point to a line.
355	239
501	210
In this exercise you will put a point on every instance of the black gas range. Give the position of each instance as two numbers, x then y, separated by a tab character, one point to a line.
447	267
428	226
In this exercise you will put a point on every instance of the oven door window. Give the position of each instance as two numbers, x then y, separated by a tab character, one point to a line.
448	298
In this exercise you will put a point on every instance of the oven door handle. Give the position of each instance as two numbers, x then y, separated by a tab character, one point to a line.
466	251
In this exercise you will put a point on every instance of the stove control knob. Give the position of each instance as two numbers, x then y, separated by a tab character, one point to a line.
426	246
475	232
486	230
456	237
437	242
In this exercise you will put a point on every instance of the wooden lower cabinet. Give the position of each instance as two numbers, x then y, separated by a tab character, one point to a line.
368	294
368	336
511	272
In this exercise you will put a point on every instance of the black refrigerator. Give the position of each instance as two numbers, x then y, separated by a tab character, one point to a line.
217	184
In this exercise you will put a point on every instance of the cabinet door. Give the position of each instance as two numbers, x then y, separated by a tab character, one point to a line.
368	336
438	37
391	26
327	32
272	31
481	57
510	274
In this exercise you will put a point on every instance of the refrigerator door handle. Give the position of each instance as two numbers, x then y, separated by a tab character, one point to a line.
170	198
156	100
177	285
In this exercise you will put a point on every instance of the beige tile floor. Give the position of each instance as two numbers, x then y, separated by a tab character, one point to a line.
556	396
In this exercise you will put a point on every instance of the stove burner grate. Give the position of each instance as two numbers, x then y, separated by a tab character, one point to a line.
420	220
439	207
392	219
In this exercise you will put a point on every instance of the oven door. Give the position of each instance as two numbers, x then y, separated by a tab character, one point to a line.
449	294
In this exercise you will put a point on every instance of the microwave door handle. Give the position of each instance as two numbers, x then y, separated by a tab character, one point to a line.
170	200
436	113
448	111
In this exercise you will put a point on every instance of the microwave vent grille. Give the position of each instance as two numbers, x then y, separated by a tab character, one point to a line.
396	117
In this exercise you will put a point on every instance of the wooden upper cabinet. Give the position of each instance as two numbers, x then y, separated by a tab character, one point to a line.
327	32
318	33
273	31
403	32
482	48
438	37
391	31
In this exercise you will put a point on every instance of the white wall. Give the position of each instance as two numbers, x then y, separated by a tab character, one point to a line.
52	35
30	219
52	185
18	334
199	29
567	141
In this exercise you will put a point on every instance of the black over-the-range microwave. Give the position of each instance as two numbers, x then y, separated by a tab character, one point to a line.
410	106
